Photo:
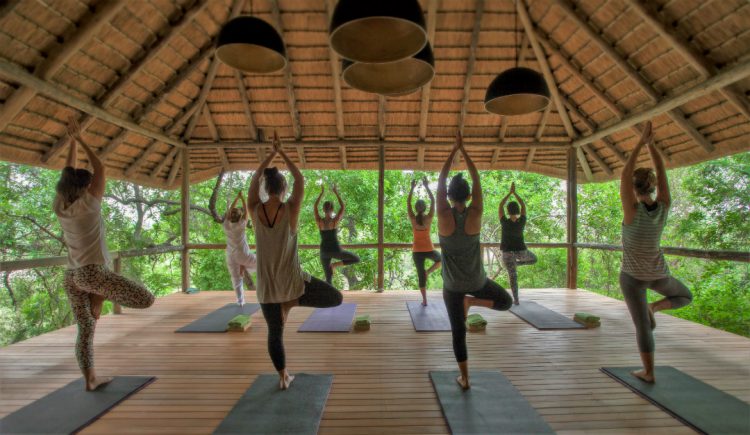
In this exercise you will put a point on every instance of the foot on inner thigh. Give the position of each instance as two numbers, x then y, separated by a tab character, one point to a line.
285	381
463	383
651	317
97	301
285	308
467	304
644	376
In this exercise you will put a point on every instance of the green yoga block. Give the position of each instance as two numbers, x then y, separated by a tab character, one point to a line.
475	323
588	320
239	323
362	322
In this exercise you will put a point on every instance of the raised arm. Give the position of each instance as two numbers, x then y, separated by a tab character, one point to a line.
477	201
99	182
426	185
446	224
72	158
234	203
409	208
253	192
662	184
245	212
319	218
342	205
501	207
627	195
298	190
518	198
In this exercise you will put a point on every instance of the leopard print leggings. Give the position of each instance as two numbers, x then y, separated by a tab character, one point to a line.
97	279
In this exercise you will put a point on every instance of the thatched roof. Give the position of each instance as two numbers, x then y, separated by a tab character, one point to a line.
148	65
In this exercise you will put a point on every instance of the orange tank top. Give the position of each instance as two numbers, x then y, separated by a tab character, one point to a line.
422	241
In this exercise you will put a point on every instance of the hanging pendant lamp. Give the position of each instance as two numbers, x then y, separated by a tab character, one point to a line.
517	91
391	78
375	31
252	45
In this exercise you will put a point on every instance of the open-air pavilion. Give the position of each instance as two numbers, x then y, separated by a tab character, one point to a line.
162	111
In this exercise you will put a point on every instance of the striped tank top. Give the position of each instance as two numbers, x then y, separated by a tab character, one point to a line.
642	256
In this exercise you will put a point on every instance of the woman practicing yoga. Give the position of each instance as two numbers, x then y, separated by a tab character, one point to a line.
282	284
329	242
88	281
643	265
239	257
511	242
464	280
422	249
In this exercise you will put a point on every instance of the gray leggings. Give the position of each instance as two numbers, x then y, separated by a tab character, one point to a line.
634	291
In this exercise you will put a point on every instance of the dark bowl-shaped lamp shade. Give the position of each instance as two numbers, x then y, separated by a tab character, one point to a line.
517	91
252	45
375	31
391	78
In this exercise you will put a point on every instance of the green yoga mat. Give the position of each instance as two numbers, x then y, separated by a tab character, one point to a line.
492	405
693	402
71	408
264	409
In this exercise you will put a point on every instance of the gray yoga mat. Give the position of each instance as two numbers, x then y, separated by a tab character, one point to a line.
695	403
541	317
264	409
491	406
433	317
71	408
216	321
334	319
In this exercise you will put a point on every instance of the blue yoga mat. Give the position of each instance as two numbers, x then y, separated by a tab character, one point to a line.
216	321
432	318
542	317
334	319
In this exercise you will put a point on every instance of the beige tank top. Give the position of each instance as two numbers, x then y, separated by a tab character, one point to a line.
280	276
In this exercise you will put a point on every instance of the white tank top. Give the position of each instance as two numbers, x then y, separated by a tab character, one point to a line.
83	230
236	238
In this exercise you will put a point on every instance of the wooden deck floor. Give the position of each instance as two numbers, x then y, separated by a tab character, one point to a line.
381	383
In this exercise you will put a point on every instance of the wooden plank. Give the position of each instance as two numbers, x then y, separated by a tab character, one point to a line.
478	12
424	105
288	79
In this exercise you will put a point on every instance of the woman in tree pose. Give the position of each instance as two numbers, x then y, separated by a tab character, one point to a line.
329	242
88	280
465	283
643	265
511	243
282	284
239	257
422	248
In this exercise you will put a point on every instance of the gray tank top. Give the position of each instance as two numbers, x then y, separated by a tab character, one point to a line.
642	257
280	276
463	270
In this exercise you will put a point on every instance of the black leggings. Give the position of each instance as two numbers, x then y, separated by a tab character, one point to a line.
454	303
345	256
318	294
419	258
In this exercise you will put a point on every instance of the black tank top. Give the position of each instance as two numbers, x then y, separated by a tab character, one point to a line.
329	241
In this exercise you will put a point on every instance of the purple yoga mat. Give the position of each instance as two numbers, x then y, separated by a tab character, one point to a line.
335	319
433	317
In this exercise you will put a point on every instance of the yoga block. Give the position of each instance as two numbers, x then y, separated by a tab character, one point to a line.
240	323
362	322
476	323
587	320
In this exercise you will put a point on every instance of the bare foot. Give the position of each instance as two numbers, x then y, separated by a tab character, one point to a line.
463	383
516	302
466	307
424	302
645	377
285	382
96	382
651	317
97	301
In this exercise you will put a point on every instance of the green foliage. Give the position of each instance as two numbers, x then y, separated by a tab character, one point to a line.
711	210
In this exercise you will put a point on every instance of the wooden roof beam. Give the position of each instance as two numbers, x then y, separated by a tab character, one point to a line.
168	158
584	164
381	117
242	89
200	100
293	112
210	123
176	163
676	114
424	105
47	69
375	143
702	65
149	54
726	77
342	153
336	78
592	128
470	64
130	170
503	128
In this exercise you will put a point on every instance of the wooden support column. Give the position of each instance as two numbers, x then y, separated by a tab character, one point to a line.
185	215
572	219
381	212
117	265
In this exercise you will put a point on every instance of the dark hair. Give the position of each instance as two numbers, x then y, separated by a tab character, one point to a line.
513	208
327	205
275	182
420	206
644	181
235	214
458	188
73	183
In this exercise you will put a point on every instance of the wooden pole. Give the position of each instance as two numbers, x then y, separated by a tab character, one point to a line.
381	210
117	264
572	218
185	215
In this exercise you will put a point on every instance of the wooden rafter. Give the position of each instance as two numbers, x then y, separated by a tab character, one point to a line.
336	78
675	114
503	128
293	112
530	157
592	128
173	170
131	170
424	105
223	158
48	68
242	89
342	155
164	162
213	131
495	156
208	82
702	65
584	164
136	66
470	64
